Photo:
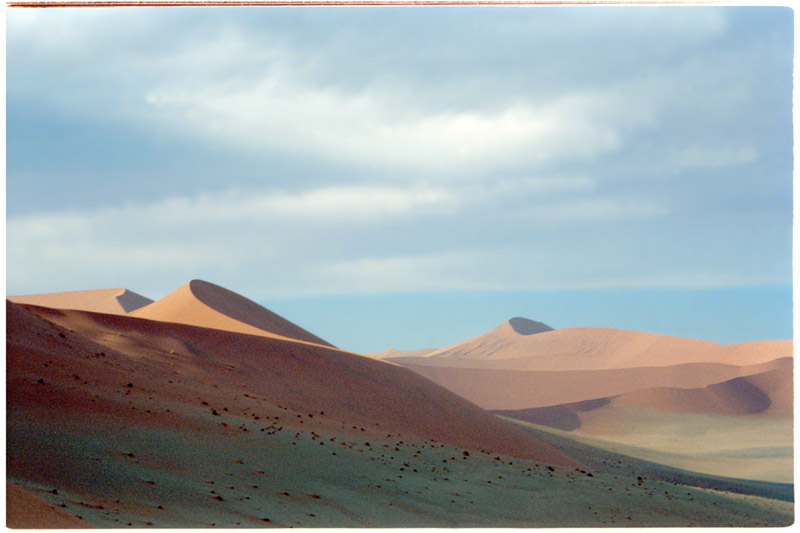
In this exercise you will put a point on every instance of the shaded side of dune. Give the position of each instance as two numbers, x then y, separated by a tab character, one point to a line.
564	417
734	397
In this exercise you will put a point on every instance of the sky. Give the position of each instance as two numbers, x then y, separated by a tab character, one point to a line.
410	177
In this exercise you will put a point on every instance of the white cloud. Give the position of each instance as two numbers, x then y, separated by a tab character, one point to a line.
374	130
237	229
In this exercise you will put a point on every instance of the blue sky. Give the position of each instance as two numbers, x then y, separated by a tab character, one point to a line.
443	168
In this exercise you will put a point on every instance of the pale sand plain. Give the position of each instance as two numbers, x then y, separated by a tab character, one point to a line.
746	447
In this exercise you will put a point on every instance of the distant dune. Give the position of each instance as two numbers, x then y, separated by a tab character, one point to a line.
595	381
111	301
521	389
394	353
199	303
597	348
736	396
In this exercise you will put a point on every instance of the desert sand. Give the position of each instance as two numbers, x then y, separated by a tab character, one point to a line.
519	389
585	380
25	510
200	303
111	301
207	410
594	349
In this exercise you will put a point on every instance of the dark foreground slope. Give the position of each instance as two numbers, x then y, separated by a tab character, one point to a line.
127	422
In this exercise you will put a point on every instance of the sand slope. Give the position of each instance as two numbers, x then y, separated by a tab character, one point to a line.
305	378
111	301
737	396
130	422
596	348
199	303
135	423
515	389
25	510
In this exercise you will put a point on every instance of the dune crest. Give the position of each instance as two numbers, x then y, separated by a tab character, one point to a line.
200	303
116	301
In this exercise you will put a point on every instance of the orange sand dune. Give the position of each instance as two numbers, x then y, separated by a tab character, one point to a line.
110	301
199	303
502	389
594	349
25	510
123	361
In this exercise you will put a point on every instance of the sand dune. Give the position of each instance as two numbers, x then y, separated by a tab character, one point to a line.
596	348
199	303
111	301
779	386
305	378
736	396
147	423
502	389
740	427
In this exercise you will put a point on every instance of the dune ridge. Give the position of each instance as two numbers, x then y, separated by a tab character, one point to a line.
596	348
204	304
115	301
303	377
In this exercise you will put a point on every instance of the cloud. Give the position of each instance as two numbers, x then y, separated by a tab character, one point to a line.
375	130
241	229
